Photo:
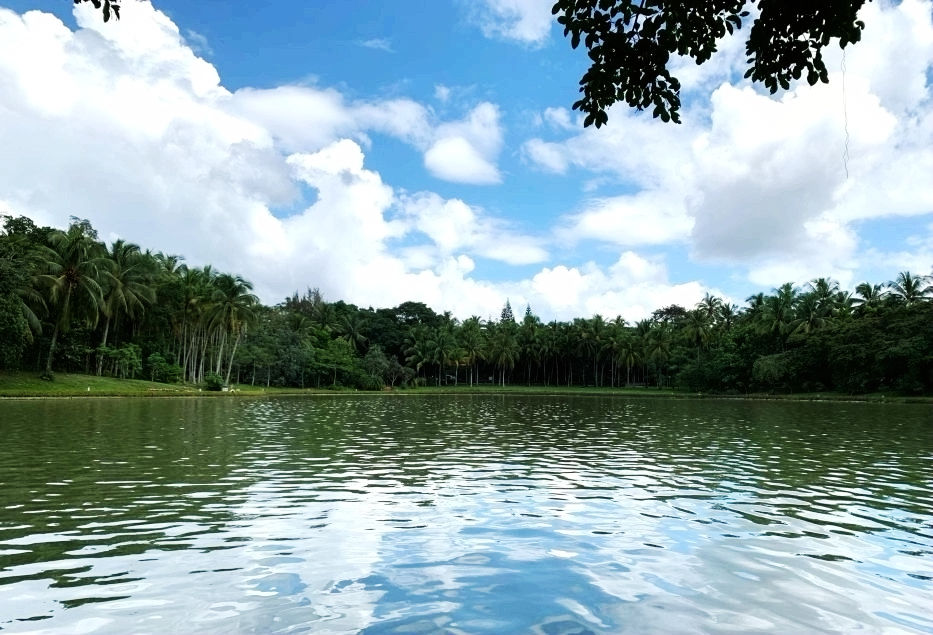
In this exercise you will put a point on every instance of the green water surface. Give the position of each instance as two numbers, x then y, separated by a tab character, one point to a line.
470	514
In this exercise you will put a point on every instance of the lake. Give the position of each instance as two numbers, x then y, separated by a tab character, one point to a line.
465	514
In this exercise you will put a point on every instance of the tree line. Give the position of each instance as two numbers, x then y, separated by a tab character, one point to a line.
70	302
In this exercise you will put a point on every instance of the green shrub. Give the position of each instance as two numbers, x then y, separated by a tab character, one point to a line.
213	381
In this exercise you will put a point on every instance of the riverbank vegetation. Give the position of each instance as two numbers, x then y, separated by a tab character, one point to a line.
69	303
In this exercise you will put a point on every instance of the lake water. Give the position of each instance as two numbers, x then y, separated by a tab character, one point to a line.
435	514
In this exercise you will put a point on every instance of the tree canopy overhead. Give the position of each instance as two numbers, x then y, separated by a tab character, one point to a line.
110	8
630	44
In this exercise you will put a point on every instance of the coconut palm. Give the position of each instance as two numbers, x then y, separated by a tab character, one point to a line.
710	305
778	312
503	349
471	342
351	328
824	289
698	328
126	287
811	315
869	296
658	348
73	264
233	309
910	289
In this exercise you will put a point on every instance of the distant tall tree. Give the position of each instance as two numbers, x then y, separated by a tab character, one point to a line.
507	315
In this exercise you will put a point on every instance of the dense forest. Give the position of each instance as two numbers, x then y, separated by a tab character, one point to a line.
68	302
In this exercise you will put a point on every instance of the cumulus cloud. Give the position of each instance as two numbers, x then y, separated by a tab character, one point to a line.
454	226
465	150
124	125
525	21
646	218
773	184
306	118
632	287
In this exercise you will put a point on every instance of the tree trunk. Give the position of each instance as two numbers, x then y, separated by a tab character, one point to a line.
48	361
103	344
232	355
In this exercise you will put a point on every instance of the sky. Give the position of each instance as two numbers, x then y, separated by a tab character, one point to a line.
385	152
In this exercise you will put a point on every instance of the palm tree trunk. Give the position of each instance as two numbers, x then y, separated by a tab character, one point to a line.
103	344
232	355
48	361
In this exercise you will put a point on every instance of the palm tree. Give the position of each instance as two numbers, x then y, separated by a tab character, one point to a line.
503	348
756	306
824	289
658	348
441	348
869	296
232	311
126	286
471	342
727	315
416	349
624	351
710	305
73	263
811	315
351	329
697	329
778	313
910	289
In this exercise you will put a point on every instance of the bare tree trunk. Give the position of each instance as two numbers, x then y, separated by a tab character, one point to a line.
232	355
48	361
103	344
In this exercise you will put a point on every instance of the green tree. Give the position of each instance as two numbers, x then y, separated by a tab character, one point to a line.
126	287
909	288
503	349
471	340
869	296
74	264
233	310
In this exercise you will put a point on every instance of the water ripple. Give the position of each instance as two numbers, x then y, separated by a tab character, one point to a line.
465	515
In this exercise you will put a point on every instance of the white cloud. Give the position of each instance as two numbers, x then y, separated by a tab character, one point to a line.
465	151
198	42
647	218
632	287
453	226
378	44
306	118
442	93
130	129
761	181
524	21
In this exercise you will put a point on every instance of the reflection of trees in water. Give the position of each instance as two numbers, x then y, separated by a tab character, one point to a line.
82	481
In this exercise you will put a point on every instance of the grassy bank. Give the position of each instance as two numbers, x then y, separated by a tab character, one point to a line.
26	385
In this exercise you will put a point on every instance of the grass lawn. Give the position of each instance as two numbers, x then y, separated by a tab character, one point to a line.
29	384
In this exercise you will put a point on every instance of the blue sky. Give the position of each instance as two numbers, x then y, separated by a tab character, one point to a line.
431	154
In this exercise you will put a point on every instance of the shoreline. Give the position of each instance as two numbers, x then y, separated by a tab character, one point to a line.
25	386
